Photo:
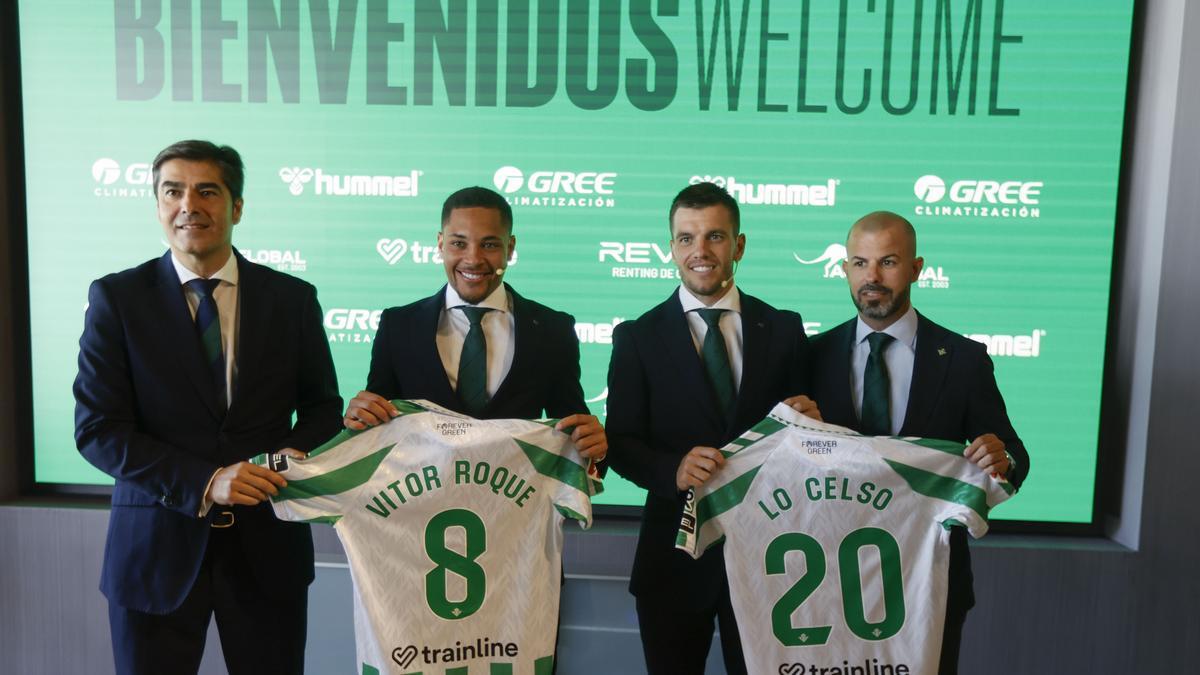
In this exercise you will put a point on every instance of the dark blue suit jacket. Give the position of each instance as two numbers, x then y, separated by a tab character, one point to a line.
543	378
660	406
953	396
147	414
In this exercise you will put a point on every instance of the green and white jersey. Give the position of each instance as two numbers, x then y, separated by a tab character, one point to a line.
453	530
836	544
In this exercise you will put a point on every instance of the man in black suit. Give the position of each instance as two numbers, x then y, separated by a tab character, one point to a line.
685	378
476	346
188	366
891	371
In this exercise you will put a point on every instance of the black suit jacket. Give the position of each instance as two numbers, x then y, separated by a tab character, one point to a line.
148	414
543	378
953	396
660	406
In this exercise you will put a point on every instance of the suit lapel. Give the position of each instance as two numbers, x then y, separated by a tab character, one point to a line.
425	349
180	330
756	340
680	351
253	317
841	399
527	331
930	366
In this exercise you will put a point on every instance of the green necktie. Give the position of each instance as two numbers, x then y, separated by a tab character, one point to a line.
716	361
876	411
472	363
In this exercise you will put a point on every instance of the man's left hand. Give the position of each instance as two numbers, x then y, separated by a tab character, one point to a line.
987	452
587	435
805	406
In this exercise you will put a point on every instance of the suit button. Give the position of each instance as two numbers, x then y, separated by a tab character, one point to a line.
168	501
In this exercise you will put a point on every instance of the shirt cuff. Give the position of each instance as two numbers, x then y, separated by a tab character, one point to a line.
205	503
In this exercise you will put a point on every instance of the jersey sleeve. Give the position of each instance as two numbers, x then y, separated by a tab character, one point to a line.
553	456
316	486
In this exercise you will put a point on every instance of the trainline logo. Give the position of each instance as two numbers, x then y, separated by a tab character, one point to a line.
478	648
298	178
776	194
983	198
133	180
556	188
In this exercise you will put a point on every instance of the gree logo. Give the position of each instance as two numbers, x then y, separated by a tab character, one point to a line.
510	179
932	189
107	171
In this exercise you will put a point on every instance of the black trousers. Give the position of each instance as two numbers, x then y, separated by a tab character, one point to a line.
960	598
260	634
676	641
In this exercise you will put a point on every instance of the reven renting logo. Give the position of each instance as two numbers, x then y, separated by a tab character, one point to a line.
776	194
978	198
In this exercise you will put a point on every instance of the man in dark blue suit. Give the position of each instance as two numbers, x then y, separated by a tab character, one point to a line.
476	346
679	387
891	371
188	366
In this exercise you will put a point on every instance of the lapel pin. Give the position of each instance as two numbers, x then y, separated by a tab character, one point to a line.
941	351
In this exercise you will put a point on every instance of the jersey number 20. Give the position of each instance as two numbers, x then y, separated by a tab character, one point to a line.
851	578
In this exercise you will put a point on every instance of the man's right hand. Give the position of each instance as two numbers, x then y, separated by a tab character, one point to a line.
244	484
368	410
697	467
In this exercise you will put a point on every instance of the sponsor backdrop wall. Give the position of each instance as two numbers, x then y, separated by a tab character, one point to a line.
994	125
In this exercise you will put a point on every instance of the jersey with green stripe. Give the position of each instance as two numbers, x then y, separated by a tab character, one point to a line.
837	544
453	531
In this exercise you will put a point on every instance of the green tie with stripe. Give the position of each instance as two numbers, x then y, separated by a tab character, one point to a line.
472	363
208	326
876	411
716	362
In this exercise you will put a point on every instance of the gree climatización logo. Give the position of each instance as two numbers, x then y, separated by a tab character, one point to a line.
978	198
560	189
350	185
114	180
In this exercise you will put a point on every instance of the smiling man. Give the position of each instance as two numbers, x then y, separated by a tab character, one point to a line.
891	371
687	377
476	346
189	365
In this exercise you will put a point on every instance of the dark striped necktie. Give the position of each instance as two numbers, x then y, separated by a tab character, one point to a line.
208	326
877	389
472	363
716	361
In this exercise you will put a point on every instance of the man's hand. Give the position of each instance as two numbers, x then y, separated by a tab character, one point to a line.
245	484
697	467
987	452
368	410
587	435
805	406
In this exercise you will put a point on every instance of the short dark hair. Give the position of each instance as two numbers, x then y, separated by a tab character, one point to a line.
478	197
233	173
703	195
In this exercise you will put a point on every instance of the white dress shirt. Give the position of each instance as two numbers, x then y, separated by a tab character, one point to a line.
730	325
498	329
226	297
898	358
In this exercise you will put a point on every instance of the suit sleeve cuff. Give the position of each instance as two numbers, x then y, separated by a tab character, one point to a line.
205	502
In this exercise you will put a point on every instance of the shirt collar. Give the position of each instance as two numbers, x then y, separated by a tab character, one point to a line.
497	299
228	272
731	301
903	329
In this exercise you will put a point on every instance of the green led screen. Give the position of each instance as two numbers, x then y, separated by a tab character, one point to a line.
994	125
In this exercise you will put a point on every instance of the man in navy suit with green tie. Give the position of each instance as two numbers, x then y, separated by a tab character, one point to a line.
189	365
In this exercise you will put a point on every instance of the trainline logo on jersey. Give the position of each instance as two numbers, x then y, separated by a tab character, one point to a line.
298	179
559	189
356	326
1027	346
978	198
114	180
638	259
479	648
867	667
776	194
284	261
831	258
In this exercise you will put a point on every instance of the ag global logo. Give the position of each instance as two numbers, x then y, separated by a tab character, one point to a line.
556	188
982	198
113	180
931	276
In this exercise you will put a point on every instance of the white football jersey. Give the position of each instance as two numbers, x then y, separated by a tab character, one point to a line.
837	544
453	531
